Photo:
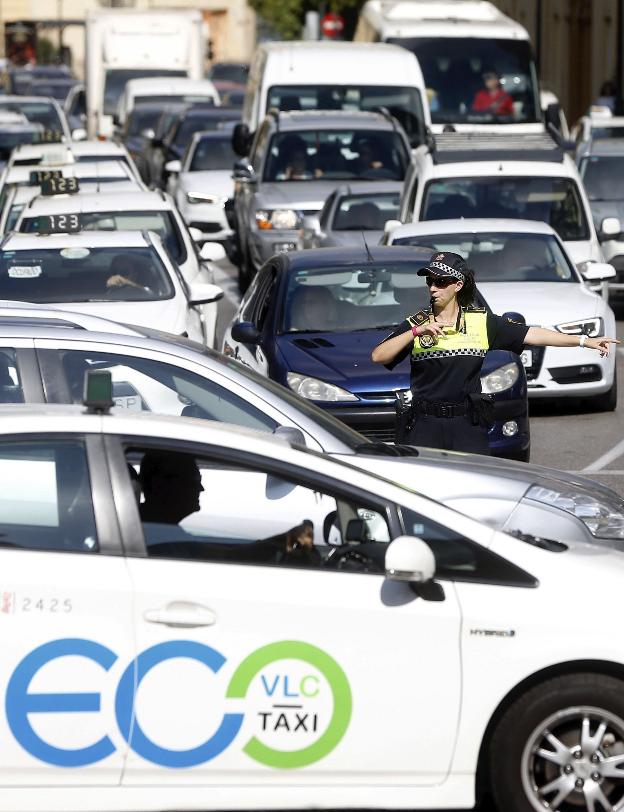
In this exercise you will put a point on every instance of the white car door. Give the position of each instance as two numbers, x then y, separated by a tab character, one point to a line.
286	664
65	615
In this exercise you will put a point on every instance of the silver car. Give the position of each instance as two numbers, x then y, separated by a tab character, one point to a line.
296	161
44	354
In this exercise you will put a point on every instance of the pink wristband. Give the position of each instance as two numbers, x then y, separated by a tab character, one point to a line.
415	331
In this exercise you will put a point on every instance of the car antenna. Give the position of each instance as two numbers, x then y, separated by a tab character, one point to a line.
369	256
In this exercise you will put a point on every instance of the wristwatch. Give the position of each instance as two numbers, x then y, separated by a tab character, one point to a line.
582	340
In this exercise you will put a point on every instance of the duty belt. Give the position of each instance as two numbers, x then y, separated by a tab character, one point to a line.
439	409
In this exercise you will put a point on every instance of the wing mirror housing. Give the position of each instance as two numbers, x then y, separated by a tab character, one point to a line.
244	172
291	434
391	225
513	316
212	251
241	139
173	167
79	134
148	134
610	228
597	271
196	234
203	293
410	559
245	333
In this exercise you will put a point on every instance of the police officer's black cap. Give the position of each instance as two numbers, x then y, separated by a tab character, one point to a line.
445	263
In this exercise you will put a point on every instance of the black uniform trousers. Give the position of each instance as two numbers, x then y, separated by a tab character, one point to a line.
448	433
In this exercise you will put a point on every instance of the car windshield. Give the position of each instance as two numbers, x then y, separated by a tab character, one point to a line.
229	73
336	155
189	125
555	201
503	257
142	118
212	153
331	300
473	80
403	102
366	212
77	274
602	133
39	112
116	81
162	222
603	176
57	90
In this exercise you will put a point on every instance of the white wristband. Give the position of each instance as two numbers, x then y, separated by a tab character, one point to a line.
582	340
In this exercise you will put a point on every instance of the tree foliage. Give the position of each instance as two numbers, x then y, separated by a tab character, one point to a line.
286	17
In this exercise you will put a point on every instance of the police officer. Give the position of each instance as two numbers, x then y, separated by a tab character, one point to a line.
447	344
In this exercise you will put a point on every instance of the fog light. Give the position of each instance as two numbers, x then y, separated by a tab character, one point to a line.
283	247
510	428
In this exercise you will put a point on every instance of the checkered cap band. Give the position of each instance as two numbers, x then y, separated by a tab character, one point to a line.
441	266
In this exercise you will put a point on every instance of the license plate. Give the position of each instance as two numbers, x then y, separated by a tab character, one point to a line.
527	358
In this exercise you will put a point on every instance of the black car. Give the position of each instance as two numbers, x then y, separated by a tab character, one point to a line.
138	133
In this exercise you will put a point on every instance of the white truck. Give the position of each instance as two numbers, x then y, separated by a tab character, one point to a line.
123	45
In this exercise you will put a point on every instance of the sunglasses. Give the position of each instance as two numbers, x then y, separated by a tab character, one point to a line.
440	281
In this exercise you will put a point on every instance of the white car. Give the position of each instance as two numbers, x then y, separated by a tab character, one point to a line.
72	152
40	110
202	183
165	89
126	276
130	211
597	126
525	177
307	635
523	267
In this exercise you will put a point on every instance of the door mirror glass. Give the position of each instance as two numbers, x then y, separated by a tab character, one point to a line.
245	333
610	227
410	559
212	252
202	293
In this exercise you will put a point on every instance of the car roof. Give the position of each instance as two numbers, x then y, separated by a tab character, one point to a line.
37	320
475	225
501	169
93	147
85	169
17	100
170	84
319	258
84	239
332	119
95	202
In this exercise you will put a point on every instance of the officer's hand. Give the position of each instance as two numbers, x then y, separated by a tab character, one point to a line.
601	344
430	328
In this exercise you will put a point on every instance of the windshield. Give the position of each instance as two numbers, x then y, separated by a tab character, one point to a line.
161	222
39	112
457	73
555	201
76	274
212	153
602	133
403	102
503	257
336	155
603	176
366	212
142	118
229	73
116	81
343	300
188	126
13	216
58	90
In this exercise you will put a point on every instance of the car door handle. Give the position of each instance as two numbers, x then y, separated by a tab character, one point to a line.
182	615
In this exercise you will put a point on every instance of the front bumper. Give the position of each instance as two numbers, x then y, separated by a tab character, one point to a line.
209	218
569	372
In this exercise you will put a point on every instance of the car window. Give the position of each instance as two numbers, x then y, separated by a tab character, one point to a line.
603	176
10	384
264	298
144	385
45	501
212	154
191	508
366	212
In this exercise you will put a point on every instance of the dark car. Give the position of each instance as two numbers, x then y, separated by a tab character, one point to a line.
173	146
310	320
138	133
20	78
52	88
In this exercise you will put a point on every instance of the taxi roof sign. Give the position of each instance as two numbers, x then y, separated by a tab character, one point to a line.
98	391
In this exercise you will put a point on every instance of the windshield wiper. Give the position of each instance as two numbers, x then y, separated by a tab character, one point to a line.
386	450
537	541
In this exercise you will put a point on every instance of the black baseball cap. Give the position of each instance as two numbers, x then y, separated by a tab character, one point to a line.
445	263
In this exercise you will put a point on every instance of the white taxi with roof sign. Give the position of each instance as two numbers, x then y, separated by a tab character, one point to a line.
332	640
126	276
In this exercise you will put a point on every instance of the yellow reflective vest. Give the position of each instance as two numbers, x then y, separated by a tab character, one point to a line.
470	339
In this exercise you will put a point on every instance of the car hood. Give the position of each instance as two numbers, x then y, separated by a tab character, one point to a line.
343	359
218	182
168	314
307	195
542	303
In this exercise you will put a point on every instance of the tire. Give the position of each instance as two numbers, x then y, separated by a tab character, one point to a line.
559	706
607	402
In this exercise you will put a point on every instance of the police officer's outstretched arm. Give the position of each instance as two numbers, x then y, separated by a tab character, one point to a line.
541	337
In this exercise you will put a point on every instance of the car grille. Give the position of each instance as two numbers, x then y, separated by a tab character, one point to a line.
388	395
538	357
381	434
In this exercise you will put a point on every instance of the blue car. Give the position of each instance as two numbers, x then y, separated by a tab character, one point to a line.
310	320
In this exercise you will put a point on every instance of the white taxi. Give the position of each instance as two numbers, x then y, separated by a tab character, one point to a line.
199	618
126	276
134	210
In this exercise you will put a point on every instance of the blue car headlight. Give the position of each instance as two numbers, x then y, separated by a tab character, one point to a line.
315	389
501	379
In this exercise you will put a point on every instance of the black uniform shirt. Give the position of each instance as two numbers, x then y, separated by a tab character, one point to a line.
450	379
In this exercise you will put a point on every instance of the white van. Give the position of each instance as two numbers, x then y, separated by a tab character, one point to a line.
164	89
458	43
335	76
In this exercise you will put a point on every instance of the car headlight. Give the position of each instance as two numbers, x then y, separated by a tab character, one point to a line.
314	389
284	219
500	379
603	516
583	327
193	197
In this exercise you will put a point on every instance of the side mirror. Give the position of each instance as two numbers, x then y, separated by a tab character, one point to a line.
148	134
409	559
245	333
241	139
244	172
173	167
610	227
513	316
311	223
79	134
291	434
203	293
391	225
196	234
597	271
212	252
